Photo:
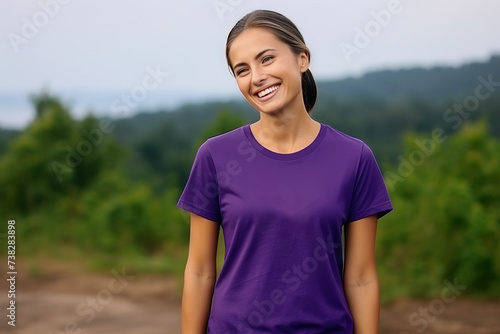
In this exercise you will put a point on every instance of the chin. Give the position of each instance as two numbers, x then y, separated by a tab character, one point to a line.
266	108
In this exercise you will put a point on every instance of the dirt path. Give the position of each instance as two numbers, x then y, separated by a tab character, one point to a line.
62	300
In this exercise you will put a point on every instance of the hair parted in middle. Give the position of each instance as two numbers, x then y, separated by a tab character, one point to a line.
286	31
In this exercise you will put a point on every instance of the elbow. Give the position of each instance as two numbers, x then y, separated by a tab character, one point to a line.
361	279
360	282
200	274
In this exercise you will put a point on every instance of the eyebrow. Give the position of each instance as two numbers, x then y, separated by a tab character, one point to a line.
256	57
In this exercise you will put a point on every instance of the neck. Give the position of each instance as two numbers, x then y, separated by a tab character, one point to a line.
285	131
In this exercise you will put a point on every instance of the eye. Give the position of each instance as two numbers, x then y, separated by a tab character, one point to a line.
267	59
240	71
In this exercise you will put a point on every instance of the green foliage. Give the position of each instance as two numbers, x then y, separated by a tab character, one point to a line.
26	176
53	157
161	158
225	121
446	222
85	203
131	220
6	137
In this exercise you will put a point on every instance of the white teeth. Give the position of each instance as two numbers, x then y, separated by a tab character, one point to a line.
267	91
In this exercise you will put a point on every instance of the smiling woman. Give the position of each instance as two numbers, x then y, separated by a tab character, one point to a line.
287	38
269	78
299	183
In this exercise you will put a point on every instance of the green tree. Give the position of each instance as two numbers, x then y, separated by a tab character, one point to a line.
55	156
446	222
26	177
225	120
162	157
63	179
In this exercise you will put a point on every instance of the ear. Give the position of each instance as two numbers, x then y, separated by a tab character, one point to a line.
303	60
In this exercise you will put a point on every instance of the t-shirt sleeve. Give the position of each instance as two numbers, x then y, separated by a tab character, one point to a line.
201	194
370	194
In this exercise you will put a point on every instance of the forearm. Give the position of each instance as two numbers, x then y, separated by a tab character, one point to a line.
196	302
363	298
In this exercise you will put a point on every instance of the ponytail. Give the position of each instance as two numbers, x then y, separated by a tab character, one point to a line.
309	90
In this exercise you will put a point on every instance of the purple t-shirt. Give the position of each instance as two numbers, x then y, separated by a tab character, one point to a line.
282	216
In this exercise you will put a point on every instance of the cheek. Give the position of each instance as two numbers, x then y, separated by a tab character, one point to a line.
290	72
295	77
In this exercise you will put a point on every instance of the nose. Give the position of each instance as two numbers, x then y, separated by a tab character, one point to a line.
258	77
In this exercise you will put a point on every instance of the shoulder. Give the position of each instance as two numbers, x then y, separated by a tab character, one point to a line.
349	146
223	142
227	137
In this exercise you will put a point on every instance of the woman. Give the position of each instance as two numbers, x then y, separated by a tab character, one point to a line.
281	189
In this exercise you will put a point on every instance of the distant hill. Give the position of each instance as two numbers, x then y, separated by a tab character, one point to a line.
437	83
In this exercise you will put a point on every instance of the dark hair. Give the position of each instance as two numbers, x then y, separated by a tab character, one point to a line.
288	33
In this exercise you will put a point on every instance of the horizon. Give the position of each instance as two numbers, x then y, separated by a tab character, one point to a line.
98	102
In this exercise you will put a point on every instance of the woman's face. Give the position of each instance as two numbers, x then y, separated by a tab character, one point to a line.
267	72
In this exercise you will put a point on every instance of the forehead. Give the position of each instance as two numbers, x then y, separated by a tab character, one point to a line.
252	41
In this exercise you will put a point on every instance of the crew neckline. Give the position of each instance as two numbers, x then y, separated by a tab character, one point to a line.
285	156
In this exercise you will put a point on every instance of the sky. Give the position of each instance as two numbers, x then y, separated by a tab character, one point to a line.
164	53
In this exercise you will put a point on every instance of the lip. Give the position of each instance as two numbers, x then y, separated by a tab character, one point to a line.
270	95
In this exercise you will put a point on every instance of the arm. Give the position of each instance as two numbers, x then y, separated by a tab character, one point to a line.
361	284
199	275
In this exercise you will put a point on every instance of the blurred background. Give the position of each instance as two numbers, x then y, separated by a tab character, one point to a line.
104	104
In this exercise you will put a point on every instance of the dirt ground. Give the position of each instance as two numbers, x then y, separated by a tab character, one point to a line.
63	300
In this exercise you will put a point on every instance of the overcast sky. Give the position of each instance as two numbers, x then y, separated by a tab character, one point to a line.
107	46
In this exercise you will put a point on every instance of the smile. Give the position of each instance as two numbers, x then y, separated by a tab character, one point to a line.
267	91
